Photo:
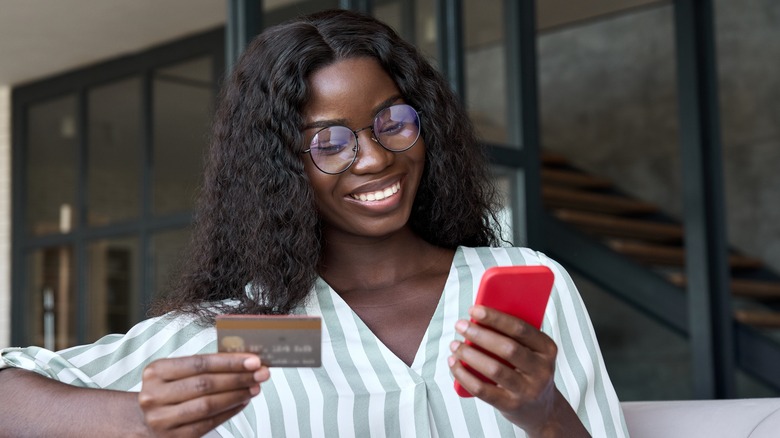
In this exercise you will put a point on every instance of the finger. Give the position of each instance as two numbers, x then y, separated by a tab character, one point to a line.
473	384
515	328
511	390
506	348
196	410
202	427
181	367
502	374
197	386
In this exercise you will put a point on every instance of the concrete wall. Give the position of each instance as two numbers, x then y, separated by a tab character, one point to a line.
609	102
5	216
749	68
608	96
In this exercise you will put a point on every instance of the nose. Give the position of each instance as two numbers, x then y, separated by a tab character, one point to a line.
371	156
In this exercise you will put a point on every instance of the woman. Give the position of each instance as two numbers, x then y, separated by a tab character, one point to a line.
344	180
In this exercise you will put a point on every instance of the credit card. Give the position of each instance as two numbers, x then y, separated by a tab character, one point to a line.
279	340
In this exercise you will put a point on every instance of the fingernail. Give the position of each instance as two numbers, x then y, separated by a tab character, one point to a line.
454	345
451	360
461	325
254	390
260	376
252	363
477	312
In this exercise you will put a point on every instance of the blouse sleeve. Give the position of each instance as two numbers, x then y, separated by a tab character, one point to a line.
581	375
116	361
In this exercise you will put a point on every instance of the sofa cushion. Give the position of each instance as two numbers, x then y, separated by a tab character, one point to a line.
754	418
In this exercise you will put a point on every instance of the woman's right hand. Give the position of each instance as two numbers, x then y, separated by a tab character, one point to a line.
189	396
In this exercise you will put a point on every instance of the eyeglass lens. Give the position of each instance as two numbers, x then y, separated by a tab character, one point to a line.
396	128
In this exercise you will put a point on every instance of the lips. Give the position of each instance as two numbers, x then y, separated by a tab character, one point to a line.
377	195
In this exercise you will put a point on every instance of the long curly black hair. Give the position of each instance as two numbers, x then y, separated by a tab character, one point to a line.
257	222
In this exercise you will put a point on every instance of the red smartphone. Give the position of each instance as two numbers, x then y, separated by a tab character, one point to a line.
520	291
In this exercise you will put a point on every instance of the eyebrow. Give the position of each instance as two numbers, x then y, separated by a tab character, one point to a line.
343	122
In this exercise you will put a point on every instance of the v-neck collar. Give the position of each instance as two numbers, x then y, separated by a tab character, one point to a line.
334	310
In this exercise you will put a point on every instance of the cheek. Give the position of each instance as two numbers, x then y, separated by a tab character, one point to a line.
418	153
309	169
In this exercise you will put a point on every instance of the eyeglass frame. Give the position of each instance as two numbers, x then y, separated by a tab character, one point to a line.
355	132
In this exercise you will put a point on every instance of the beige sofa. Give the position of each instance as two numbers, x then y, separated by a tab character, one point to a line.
754	418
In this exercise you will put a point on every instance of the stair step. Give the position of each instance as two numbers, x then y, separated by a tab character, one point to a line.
649	254
553	159
666	255
573	178
762	290
758	318
555	197
613	226
741	287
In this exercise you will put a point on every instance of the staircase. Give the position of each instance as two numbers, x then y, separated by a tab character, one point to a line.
606	224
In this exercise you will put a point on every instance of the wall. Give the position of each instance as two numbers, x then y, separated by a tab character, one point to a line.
748	52
609	102
5	216
608	97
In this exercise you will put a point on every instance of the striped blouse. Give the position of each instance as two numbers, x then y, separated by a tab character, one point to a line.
362	389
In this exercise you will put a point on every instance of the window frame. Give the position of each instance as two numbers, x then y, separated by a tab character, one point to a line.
78	82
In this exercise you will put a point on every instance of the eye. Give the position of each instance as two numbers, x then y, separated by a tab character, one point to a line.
392	127
328	147
331	141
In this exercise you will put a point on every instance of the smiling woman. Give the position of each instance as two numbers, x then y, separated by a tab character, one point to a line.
357	92
385	244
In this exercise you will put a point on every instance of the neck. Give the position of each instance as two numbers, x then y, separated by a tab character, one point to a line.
367	264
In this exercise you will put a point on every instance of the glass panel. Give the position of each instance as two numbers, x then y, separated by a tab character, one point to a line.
646	361
167	251
485	68
415	21
556	13
391	13
51	167
608	101
749	387
748	47
506	181
112	286
51	295
199	71
426	28
113	177
183	100
279	11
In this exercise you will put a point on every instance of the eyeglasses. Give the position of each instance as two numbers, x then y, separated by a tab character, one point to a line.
335	148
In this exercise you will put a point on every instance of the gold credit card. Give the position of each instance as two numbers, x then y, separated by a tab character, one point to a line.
279	340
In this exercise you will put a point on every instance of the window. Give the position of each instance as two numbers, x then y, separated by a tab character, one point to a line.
109	160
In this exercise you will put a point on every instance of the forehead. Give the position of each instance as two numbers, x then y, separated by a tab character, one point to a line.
347	89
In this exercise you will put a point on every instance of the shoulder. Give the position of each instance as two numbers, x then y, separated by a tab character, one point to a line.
502	256
169	335
475	261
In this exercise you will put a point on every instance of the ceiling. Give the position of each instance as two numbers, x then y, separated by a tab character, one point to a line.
39	38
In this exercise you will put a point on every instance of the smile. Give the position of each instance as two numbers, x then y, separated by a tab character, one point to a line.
379	194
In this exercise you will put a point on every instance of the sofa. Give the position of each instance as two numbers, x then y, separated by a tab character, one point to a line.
754	418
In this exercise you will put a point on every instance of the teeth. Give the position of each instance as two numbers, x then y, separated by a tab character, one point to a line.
379	194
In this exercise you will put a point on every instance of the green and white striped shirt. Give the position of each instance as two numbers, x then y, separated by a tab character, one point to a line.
362	388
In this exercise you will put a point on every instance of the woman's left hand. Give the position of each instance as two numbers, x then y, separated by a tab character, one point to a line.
525	391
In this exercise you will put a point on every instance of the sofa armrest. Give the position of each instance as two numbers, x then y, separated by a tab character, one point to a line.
754	418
